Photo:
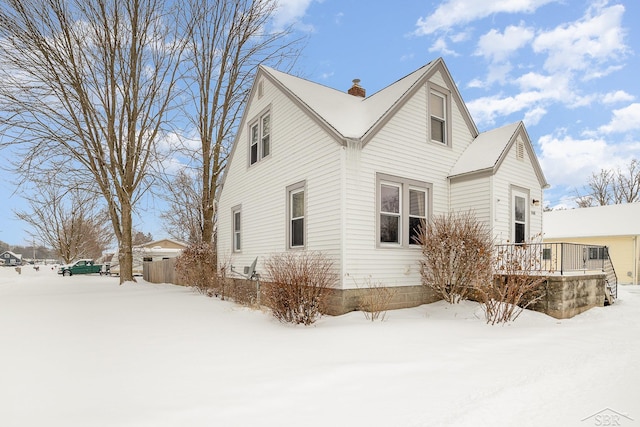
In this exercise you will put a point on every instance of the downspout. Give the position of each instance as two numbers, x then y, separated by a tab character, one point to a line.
635	260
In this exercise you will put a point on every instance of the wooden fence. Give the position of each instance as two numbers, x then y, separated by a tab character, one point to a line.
161	272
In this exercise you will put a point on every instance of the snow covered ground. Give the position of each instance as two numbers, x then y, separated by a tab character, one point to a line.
83	351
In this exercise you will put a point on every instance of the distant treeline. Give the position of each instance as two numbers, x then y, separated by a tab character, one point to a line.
28	252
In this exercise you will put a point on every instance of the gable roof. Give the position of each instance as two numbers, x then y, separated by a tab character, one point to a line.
598	221
164	243
12	254
351	117
489	149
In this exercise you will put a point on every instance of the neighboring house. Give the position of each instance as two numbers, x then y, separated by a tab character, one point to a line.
11	259
614	226
152	251
314	168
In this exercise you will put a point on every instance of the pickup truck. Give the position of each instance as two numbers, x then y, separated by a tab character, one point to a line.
83	266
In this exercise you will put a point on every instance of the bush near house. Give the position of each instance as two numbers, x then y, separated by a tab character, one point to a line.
457	255
196	267
298	286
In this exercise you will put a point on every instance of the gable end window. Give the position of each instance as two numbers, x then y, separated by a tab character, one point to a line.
438	121
296	216
260	138
439	114
402	206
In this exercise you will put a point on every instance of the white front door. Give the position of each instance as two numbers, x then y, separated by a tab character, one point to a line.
519	216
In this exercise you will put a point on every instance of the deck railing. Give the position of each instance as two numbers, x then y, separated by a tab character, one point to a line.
567	258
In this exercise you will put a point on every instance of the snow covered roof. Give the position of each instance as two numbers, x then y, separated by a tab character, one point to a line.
485	151
164	243
13	255
599	221
349	116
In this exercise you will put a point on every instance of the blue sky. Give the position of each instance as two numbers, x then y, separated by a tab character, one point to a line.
568	68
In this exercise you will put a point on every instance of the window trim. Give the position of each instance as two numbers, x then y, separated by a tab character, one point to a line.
298	187
236	210
258	123
405	185
445	94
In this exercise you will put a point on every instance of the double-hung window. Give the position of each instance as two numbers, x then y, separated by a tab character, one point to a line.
260	138
402	206
439	112
437	105
296	209
237	229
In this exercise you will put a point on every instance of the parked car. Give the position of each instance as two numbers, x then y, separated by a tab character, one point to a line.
84	266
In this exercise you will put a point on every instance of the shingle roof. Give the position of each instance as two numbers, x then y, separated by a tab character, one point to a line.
611	220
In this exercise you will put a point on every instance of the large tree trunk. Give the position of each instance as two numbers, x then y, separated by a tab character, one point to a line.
125	246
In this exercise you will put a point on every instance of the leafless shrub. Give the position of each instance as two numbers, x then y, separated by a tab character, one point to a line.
456	255
196	266
298	286
517	285
376	300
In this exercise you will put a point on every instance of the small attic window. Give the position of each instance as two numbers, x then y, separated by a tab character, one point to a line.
260	89
519	149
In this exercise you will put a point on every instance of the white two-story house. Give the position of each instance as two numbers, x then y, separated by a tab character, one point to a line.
317	169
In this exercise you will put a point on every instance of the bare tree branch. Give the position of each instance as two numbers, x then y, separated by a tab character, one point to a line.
85	89
227	41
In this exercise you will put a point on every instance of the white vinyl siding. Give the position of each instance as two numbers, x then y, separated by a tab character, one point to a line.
304	153
397	150
519	175
473	194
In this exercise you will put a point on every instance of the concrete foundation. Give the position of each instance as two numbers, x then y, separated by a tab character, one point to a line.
567	296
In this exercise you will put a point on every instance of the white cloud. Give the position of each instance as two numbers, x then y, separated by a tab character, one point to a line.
617	96
587	43
457	12
440	45
536	91
569	162
624	120
290	12
497	46
533	116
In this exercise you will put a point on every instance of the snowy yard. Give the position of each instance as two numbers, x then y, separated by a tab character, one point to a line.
83	351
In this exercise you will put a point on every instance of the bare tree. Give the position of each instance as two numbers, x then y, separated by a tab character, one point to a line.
69	221
611	186
600	186
140	238
183	220
626	188
85	90
227	41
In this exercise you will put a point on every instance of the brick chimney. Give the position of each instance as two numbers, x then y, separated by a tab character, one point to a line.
356	89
